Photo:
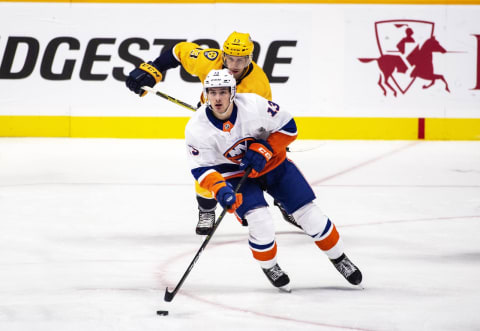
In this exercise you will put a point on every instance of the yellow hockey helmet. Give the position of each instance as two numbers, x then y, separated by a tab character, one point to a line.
238	44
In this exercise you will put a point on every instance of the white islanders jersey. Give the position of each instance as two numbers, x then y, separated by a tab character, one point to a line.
216	145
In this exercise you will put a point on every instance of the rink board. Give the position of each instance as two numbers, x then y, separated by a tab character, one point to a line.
173	127
60	77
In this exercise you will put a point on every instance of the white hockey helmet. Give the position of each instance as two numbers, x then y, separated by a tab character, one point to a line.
220	78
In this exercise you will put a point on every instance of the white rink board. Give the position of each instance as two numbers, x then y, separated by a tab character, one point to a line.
325	76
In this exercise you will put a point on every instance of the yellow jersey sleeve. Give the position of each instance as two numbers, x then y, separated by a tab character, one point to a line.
199	62
196	60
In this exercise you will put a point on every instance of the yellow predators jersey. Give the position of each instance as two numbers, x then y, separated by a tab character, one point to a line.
198	62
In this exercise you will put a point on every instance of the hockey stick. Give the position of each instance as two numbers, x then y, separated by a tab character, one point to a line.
295	149
169	98
170	295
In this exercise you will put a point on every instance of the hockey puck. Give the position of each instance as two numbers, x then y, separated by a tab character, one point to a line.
162	312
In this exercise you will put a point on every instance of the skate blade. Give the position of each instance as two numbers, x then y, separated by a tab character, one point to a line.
360	286
285	288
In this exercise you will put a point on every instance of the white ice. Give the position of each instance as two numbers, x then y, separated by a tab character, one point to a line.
92	231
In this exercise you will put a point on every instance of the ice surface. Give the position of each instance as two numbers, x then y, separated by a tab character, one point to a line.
93	230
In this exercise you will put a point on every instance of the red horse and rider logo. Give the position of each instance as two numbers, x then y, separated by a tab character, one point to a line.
406	53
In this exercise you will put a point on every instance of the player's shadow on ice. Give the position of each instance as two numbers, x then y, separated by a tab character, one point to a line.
324	288
246	290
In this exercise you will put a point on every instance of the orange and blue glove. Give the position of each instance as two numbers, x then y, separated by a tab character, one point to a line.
257	156
227	197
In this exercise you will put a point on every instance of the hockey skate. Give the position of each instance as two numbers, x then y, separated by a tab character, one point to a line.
348	269
278	278
206	220
286	216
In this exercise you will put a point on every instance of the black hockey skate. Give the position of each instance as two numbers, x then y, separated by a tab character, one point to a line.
206	220
286	216
348	269
277	277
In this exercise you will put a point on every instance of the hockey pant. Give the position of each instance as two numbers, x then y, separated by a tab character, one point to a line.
285	184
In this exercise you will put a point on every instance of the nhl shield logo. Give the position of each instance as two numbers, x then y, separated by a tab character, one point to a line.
406	48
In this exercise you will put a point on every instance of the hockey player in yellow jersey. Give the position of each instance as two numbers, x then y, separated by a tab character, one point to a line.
236	56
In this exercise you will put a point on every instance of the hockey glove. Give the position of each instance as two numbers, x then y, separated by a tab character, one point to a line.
145	75
257	156
227	198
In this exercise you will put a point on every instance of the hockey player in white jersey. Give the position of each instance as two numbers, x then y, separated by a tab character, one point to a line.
234	131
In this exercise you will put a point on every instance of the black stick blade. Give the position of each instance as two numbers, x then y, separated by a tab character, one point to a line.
168	295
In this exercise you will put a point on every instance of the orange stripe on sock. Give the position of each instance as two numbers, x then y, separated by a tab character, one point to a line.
330	241
265	255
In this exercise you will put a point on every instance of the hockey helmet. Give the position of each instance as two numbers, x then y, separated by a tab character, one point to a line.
220	78
238	44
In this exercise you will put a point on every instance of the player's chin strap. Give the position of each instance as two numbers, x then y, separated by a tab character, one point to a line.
169	98
170	295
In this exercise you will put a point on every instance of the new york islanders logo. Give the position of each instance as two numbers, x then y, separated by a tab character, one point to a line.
237	151
406	48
